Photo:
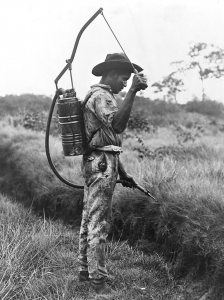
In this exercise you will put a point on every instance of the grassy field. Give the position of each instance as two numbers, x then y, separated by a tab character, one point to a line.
39	261
171	248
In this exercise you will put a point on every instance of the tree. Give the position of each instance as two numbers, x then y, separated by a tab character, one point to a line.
207	59
170	85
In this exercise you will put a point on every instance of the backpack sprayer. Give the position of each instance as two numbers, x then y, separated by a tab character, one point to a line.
70	114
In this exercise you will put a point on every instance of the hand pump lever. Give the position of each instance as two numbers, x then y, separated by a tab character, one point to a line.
70	60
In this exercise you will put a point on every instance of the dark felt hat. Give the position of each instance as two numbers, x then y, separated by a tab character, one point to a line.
117	61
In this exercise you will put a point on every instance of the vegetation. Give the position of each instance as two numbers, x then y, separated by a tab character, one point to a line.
26	174
207	107
206	59
13	105
168	248
39	261
171	85
149	115
184	172
171	248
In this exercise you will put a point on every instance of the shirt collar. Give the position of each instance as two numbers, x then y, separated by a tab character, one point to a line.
103	86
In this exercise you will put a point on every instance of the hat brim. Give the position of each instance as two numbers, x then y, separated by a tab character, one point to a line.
105	66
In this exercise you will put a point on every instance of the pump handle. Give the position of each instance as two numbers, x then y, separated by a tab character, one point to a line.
70	60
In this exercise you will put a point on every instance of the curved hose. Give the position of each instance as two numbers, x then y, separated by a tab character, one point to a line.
47	148
69	62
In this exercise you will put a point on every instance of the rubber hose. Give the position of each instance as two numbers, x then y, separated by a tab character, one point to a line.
47	148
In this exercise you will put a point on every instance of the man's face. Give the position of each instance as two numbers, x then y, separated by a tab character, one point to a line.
119	81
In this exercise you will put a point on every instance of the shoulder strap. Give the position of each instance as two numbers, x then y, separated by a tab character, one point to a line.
89	95
86	99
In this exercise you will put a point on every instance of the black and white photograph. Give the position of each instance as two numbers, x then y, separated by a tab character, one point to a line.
112	150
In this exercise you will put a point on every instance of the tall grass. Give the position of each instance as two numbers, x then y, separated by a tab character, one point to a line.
186	220
25	173
27	255
38	260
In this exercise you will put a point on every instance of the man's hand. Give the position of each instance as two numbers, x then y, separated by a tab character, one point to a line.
139	82
127	181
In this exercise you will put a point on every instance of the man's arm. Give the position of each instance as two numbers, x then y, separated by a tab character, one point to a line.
121	117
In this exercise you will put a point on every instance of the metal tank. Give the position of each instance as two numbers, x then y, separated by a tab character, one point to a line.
71	124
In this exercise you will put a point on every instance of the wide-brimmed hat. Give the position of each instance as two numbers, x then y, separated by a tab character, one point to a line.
115	61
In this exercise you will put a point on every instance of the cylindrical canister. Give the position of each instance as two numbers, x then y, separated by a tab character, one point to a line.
71	124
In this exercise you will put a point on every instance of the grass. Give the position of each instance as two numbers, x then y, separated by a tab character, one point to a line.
27	254
185	224
38	260
186	221
26	175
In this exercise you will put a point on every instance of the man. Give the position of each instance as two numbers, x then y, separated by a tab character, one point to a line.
104	124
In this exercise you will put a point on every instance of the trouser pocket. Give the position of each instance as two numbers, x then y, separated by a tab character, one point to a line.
94	163
102	165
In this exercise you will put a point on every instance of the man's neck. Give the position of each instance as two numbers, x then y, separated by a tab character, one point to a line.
104	81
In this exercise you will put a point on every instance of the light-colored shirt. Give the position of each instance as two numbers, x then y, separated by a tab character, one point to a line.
99	111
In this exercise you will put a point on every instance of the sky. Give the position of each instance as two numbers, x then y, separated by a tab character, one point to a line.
37	36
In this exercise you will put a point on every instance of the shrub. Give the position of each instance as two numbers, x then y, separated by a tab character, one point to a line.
148	114
205	107
13	105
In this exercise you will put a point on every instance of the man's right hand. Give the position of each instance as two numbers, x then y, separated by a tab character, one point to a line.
139	82
128	181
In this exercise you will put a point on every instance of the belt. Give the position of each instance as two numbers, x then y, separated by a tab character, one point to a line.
110	148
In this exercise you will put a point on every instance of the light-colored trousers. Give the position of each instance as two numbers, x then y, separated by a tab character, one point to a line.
100	171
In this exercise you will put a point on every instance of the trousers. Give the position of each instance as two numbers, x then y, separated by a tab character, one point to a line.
100	171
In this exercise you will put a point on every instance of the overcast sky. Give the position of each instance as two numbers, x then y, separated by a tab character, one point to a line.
37	36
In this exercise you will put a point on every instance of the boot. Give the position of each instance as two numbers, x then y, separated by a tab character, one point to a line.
83	276
102	290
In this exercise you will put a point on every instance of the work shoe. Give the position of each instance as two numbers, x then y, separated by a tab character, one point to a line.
102	291
83	276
